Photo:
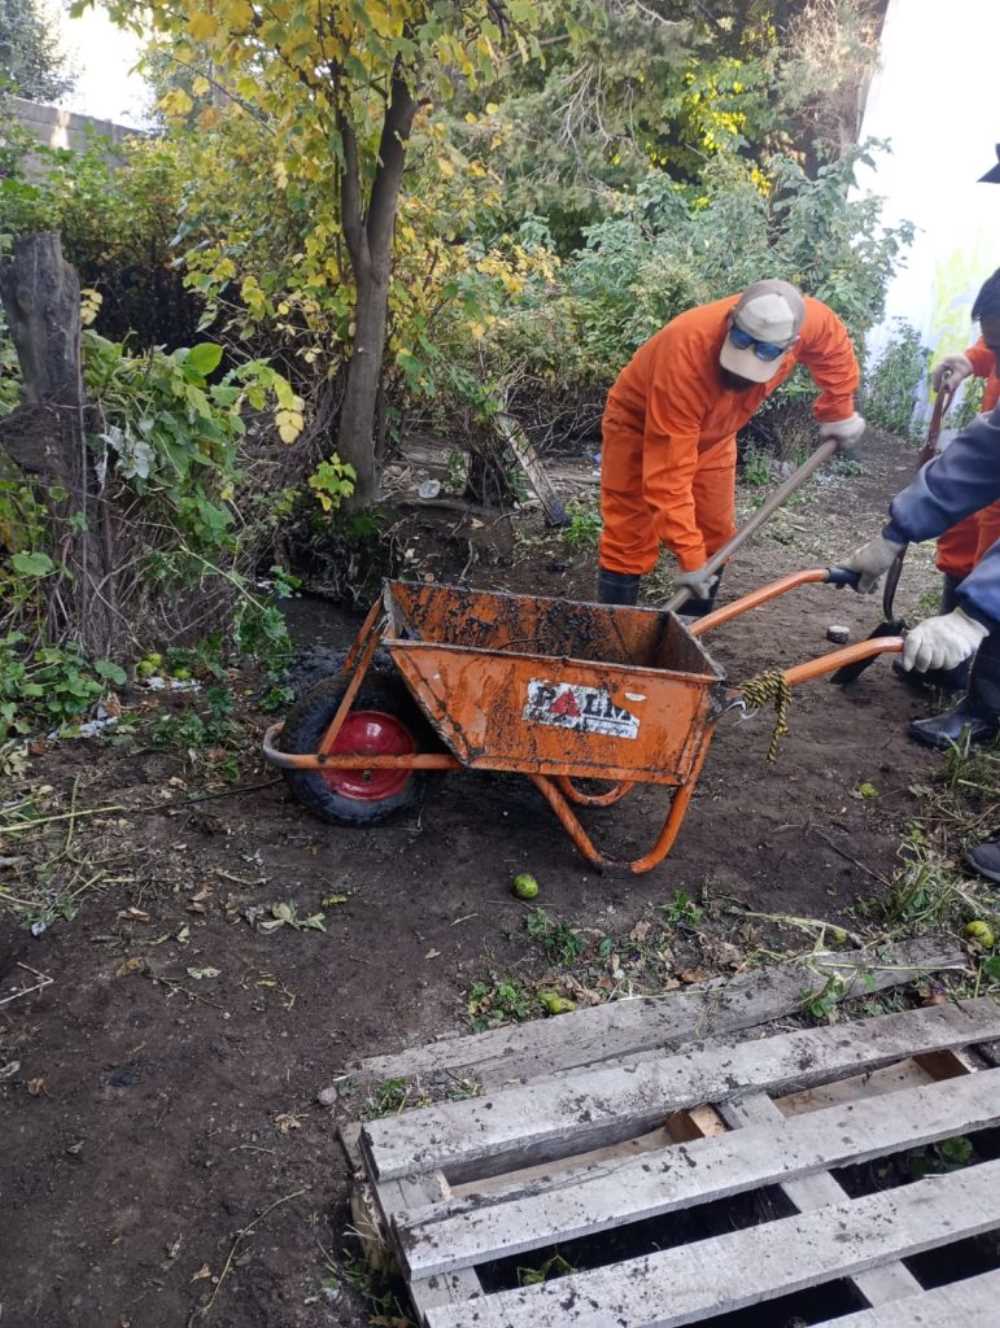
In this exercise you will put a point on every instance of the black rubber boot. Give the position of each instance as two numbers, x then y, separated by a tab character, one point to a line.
617	587
699	608
978	712
943	680
985	859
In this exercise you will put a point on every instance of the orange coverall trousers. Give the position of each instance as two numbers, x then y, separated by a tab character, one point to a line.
960	548
629	539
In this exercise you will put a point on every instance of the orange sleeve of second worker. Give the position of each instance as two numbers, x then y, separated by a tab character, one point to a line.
827	353
982	359
675	409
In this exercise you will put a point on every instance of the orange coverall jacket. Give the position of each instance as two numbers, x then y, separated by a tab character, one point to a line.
960	548
668	461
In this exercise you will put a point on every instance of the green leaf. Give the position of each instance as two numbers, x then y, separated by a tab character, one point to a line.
204	358
32	564
104	668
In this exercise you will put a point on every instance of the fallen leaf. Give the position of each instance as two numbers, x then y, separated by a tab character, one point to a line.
640	931
286	1121
174	1249
195	907
134	915
203	893
9	1070
183	936
433	954
134	965
331	900
75	1149
693	974
38	1087
199	973
203	1272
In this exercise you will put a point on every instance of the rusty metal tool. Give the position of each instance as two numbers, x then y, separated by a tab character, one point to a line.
890	624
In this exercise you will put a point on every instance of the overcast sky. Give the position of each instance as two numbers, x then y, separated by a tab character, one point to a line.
103	55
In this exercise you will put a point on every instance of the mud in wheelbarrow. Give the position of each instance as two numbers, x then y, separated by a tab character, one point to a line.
551	689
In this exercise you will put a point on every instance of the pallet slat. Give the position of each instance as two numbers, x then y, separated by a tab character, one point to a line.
661	1023
693	1282
892	1281
539	1122
460	1233
972	1303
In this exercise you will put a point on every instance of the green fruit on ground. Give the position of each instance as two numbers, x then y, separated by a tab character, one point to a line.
146	669
556	1004
154	659
981	933
182	675
525	886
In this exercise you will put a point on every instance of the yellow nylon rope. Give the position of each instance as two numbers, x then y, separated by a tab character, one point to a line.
769	688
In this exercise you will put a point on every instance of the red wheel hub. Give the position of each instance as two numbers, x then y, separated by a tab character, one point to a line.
370	733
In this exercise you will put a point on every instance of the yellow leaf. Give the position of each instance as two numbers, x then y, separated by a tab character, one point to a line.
210	117
200	86
202	25
445	167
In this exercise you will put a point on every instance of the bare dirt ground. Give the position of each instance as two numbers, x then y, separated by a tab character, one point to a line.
164	1159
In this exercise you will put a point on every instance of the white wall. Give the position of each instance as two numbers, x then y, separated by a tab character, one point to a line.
937	97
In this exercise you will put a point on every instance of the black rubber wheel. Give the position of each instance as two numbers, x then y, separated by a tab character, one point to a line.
383	718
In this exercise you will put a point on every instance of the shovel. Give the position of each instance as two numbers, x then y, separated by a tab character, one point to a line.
763	514
890	625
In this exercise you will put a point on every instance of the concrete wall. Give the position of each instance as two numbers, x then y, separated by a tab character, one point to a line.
63	129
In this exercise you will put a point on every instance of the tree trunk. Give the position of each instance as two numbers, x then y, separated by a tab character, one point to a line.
369	235
45	437
356	431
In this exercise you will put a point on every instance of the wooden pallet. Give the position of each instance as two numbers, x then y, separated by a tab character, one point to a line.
464	1184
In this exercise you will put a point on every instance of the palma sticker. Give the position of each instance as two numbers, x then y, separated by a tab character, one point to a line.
565	705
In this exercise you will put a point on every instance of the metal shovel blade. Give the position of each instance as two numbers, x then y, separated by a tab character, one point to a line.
889	626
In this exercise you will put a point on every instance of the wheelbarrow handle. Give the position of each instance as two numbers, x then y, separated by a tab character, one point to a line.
838	659
763	514
834	576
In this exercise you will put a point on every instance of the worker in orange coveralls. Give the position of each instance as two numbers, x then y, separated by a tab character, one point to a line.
960	549
668	465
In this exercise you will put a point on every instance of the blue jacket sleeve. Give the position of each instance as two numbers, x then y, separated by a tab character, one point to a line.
962	480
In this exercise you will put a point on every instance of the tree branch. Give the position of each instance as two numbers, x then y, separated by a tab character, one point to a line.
350	199
389	173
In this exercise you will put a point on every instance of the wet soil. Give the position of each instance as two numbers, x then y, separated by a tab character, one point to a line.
164	1160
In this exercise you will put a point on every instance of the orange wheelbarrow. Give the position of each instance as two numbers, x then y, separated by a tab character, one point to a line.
551	689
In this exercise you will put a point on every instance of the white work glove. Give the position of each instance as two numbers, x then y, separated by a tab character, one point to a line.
951	370
872	560
842	432
942	642
699	582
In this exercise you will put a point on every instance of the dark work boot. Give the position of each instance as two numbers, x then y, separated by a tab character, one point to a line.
978	711
985	859
617	587
944	680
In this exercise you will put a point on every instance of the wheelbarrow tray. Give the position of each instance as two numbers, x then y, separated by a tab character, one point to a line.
544	686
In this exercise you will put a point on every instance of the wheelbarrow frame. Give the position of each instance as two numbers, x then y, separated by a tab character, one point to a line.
699	698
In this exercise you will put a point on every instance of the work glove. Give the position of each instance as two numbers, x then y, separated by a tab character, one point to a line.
872	560
951	370
842	432
699	582
942	642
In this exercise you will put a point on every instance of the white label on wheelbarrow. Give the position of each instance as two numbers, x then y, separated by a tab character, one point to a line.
565	705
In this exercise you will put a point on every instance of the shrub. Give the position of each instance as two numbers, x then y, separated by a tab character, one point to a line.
891	383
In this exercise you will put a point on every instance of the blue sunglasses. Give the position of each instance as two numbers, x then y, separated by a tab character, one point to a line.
764	350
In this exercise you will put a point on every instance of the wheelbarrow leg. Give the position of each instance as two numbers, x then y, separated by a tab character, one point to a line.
359	658
671	825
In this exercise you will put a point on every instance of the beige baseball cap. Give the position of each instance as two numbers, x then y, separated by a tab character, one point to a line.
768	311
